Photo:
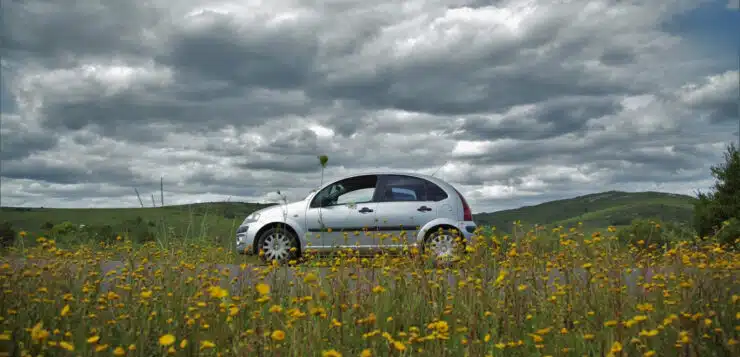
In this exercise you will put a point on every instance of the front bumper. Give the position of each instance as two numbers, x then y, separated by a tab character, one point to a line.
245	239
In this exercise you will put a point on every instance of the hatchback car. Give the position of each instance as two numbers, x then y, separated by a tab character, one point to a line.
373	211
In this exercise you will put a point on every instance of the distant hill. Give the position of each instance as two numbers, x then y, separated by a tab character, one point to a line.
214	218
598	210
220	219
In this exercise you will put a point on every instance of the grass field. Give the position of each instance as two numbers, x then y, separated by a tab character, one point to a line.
507	296
519	290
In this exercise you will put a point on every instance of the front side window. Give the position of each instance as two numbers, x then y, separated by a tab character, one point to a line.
359	189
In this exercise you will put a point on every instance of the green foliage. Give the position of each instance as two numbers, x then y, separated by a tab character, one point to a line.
722	203
596	211
138	230
651	232
323	159
7	234
730	233
63	229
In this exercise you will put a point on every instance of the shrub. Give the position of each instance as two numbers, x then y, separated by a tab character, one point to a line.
730	233
7	234
47	226
63	230
723	202
649	233
139	230
104	233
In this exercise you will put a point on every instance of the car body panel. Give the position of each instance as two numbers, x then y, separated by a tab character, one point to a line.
338	220
351	228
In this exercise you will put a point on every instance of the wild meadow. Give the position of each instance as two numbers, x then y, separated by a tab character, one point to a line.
538	292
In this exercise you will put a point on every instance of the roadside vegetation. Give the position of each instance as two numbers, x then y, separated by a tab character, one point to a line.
647	288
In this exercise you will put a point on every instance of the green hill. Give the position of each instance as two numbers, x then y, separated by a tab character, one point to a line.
218	220
599	210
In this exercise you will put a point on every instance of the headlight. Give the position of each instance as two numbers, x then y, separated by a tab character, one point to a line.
252	217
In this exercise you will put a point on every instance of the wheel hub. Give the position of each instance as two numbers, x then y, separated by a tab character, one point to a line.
442	245
277	247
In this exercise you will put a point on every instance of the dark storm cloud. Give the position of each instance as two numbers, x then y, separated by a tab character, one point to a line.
298	142
444	91
284	164
227	48
725	112
7	101
617	56
41	192
18	140
69	172
128	114
545	120
54	32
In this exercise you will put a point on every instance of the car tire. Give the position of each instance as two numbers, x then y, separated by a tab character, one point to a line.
276	243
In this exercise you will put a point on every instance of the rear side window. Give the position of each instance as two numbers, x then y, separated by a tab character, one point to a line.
403	188
407	188
435	193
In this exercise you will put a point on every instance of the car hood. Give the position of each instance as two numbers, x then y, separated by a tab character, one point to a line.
279	209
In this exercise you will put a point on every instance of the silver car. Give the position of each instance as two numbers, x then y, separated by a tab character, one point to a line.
373	211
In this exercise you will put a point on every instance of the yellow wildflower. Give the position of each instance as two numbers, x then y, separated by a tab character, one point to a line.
166	340
263	289
278	335
206	344
616	347
67	346
218	292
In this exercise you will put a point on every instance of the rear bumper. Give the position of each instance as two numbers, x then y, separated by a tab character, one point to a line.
467	229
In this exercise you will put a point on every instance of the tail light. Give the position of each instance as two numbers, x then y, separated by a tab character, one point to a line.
467	214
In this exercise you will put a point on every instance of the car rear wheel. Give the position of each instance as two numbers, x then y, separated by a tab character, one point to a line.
278	244
441	245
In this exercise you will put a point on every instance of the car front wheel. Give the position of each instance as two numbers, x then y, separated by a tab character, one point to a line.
278	244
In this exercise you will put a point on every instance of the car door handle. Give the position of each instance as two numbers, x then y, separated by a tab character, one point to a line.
365	210
423	209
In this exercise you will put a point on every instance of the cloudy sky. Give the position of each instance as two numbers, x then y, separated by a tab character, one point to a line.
514	102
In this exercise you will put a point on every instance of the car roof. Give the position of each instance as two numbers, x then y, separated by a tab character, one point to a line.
433	179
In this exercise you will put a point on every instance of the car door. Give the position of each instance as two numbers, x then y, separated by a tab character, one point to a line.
404	205
342	212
